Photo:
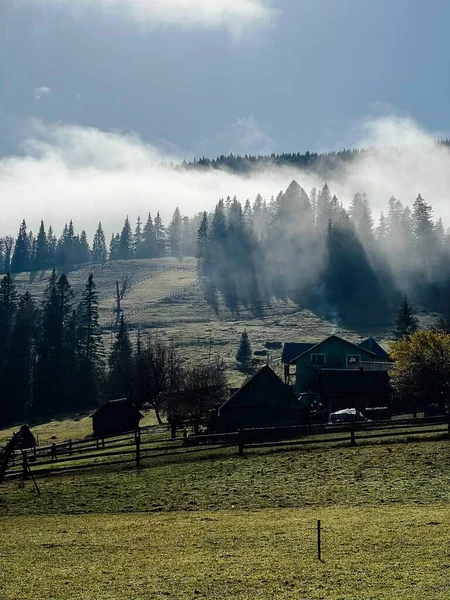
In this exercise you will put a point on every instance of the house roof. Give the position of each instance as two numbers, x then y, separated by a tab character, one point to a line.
121	405
373	346
264	377
349	381
292	349
316	346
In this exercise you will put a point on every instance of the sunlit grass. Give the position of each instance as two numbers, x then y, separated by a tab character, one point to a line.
368	553
72	427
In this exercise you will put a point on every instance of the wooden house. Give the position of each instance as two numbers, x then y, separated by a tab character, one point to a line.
354	388
263	401
333	352
373	346
115	416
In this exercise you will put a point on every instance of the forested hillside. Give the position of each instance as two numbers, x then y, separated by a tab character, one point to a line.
302	246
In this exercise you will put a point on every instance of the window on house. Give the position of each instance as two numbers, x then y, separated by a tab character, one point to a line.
318	360
353	358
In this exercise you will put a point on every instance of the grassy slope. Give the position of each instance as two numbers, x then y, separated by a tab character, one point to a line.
189	321
229	527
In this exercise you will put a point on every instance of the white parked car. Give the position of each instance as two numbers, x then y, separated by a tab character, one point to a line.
346	415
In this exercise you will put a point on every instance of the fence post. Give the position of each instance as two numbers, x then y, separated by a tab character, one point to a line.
137	437
241	442
352	433
24	465
319	541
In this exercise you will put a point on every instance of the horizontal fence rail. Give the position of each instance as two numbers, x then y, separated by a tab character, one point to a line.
153	442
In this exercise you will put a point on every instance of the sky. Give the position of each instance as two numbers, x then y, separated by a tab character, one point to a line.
90	89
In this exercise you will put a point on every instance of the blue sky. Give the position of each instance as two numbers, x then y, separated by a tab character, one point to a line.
95	94
298	75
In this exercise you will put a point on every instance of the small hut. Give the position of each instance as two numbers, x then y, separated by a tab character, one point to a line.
115	416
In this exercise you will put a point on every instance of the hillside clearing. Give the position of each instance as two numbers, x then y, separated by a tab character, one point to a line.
166	301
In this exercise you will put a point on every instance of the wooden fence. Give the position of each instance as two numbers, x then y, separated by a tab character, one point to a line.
149	443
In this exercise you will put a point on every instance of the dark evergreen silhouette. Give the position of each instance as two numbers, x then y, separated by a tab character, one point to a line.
42	254
125	246
21	256
90	351
17	400
160	237
175	235
148	245
244	353
99	251
121	364
406	323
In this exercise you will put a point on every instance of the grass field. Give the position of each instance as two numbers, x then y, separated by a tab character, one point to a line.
219	526
399	552
223	526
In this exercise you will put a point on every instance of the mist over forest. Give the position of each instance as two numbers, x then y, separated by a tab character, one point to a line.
88	175
302	246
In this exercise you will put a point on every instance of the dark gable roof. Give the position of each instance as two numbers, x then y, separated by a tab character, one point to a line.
265	382
373	346
316	346
354	381
291	350
121	406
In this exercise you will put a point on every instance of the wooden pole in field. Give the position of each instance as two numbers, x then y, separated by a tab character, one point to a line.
319	541
352	433
241	442
138	447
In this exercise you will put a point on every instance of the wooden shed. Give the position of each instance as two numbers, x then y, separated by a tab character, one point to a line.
115	416
263	401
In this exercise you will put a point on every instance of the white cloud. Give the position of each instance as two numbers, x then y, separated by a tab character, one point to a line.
234	14
89	175
41	91
69	171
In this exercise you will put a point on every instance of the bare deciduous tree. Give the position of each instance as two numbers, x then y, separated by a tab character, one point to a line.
122	288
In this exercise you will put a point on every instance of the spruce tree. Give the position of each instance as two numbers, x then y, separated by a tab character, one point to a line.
137	239
175	235
21	256
120	375
19	372
244	353
83	252
62	244
148	246
114	247
202	247
187	238
55	376
90	351
160	235
406	323
51	246
8	309
125	249
99	252
41	256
